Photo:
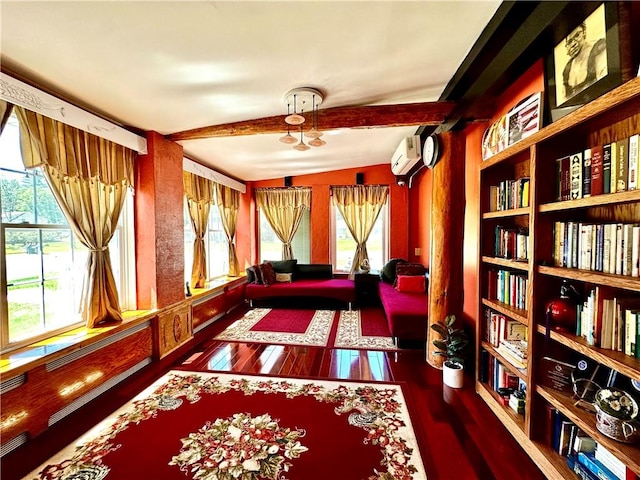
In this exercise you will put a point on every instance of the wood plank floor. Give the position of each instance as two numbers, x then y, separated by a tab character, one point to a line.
458	435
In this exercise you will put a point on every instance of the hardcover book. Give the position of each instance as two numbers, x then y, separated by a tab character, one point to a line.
606	169
576	175
586	173
633	161
596	170
623	165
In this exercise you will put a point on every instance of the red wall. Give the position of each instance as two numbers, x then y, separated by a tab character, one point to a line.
320	184
420	217
532	81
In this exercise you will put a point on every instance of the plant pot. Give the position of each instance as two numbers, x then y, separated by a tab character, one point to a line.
452	374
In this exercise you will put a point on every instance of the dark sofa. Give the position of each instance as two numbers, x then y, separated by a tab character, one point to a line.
306	281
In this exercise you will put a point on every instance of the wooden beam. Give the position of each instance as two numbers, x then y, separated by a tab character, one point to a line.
375	116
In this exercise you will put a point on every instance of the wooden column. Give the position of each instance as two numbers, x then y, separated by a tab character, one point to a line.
159	217
447	221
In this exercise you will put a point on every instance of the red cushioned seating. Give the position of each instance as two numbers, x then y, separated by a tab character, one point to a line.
406	312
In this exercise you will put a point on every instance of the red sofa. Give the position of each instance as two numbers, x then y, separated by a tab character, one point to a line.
308	280
406	313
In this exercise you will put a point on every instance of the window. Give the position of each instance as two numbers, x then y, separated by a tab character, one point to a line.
344	246
215	242
271	246
43	263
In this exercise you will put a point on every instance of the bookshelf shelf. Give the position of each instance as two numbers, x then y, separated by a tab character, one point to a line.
589	276
508	310
513	212
629	454
595	201
504	361
620	362
507	263
610	119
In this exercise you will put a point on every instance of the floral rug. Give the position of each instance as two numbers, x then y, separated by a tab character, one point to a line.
281	326
190	425
363	330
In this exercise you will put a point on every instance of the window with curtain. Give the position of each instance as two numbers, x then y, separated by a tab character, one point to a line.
43	263
271	247
343	245
215	243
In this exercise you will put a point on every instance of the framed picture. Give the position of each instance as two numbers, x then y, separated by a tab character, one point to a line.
585	61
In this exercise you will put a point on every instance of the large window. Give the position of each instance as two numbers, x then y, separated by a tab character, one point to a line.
215	242
43	263
344	246
271	247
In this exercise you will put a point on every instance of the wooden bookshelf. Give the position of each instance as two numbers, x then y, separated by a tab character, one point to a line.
613	116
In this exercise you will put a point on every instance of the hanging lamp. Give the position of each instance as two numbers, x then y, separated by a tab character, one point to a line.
288	138
301	147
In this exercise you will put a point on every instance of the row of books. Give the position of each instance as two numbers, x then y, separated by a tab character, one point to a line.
508	287
609	247
601	169
511	243
589	459
609	321
509	194
499	327
515	352
497	376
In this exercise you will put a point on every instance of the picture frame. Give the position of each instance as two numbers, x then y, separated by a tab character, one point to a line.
584	61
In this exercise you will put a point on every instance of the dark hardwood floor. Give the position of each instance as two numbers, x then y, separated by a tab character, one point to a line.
459	437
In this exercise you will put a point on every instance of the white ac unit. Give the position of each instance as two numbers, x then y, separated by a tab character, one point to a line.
406	155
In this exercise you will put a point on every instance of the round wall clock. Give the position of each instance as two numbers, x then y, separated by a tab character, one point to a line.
431	150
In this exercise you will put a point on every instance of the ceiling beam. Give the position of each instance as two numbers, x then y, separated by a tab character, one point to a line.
375	116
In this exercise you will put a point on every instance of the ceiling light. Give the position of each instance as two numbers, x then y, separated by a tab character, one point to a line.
288	138
303	99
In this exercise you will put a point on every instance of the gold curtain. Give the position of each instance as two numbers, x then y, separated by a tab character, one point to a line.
360	206
88	176
199	192
283	208
5	112
228	201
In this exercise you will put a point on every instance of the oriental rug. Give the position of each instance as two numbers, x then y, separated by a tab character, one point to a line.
363	330
281	326
197	425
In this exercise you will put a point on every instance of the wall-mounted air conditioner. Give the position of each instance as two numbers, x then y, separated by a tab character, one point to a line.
407	154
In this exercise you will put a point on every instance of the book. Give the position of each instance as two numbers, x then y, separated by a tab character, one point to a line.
634	160
583	472
586	173
575	165
613	180
596	170
635	251
622	158
595	466
606	168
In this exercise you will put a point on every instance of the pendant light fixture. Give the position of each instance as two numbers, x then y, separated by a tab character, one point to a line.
301	98
301	147
288	138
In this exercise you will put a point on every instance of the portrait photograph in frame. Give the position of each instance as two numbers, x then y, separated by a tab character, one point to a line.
584	62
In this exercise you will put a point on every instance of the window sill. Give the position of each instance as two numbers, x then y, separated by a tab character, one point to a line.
26	358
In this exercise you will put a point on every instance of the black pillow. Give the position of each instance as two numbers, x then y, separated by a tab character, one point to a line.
283	266
388	272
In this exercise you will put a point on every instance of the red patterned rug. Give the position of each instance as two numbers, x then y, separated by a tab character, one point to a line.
190	425
281	326
356	329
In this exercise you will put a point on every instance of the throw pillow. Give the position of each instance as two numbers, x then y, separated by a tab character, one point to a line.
283	266
251	275
257	272
411	283
268	274
410	269
283	277
388	272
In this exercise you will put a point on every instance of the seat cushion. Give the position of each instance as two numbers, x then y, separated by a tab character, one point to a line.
406	312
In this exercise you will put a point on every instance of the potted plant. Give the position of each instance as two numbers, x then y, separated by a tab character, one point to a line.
451	346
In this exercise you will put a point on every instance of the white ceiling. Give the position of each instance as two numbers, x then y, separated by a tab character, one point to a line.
178	65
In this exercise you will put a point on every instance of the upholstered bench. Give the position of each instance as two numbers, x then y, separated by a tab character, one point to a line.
299	281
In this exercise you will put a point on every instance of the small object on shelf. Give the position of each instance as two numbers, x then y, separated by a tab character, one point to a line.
561	312
616	415
188	290
517	401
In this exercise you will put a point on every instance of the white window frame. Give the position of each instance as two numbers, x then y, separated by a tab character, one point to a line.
384	217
